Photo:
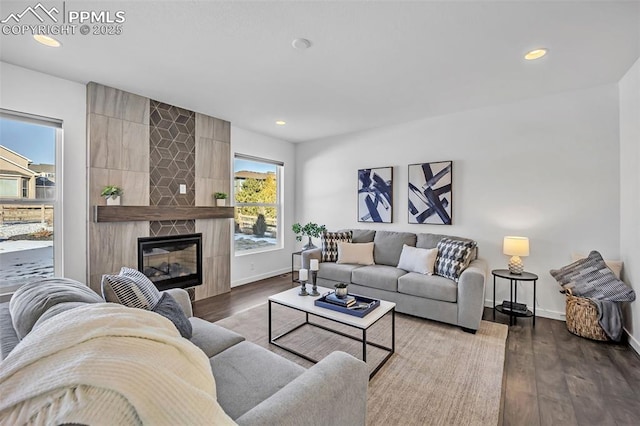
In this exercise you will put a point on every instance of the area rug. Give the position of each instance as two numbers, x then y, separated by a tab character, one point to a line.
439	375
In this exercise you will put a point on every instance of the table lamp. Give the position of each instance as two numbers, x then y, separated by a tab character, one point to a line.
516	247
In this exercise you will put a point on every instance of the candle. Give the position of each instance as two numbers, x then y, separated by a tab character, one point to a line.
314	264
304	275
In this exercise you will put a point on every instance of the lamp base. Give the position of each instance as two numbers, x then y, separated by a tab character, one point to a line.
516	266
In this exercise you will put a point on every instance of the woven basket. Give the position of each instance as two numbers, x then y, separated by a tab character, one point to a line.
582	318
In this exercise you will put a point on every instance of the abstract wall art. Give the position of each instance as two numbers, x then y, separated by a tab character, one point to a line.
375	195
430	193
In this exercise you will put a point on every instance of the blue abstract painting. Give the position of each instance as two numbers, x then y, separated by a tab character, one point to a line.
375	195
430	193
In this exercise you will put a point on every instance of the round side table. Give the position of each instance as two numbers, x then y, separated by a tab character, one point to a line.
513	283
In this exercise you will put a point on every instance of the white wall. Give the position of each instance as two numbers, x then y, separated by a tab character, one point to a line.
41	94
629	88
545	168
251	267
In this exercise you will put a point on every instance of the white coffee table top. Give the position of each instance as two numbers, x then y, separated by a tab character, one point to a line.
291	299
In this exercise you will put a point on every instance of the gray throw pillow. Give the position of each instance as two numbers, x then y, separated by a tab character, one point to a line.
33	299
130	288
453	257
591	278
388	246
169	308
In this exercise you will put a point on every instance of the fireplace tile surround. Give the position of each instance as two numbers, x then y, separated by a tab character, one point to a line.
122	152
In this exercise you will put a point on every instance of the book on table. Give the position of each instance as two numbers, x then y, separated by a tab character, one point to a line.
346	301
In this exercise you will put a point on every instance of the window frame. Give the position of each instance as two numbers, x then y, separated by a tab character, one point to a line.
278	205
56	201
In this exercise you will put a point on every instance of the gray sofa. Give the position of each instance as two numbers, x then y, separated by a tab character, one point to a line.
257	387
426	296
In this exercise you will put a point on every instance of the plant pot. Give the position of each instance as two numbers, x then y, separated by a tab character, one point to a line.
309	245
113	201
341	290
221	202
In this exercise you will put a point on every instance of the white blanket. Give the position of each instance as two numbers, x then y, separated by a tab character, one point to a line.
108	364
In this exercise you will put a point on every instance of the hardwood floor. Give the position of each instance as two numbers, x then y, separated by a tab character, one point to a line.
551	376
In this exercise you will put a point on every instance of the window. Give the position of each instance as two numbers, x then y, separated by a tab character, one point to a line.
30	243
257	197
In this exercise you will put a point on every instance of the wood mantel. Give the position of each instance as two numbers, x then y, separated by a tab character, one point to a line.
151	213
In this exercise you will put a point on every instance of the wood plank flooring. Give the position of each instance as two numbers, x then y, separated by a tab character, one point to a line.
551	376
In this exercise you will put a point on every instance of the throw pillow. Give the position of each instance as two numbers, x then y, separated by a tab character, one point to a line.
34	299
359	254
453	257
169	308
421	261
614	265
591	278
131	288
330	242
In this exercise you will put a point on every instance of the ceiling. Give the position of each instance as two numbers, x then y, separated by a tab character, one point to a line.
371	64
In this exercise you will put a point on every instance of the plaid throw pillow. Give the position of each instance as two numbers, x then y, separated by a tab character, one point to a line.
453	257
330	242
130	288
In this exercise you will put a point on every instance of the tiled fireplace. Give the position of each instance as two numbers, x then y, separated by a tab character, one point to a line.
160	155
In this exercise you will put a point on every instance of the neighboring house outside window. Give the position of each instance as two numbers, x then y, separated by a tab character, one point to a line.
28	199
257	199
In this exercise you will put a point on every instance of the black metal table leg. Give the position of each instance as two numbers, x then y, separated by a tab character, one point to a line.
534	302
364	345
494	297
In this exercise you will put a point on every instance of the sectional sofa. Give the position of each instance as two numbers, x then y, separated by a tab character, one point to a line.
253	385
427	296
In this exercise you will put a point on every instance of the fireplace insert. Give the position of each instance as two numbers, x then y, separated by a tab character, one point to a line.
171	261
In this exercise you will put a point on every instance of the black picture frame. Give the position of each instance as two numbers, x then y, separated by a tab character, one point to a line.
430	193
375	195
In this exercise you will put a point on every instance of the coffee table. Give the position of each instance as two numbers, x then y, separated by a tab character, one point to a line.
290	299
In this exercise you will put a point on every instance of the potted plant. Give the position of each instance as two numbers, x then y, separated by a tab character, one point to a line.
221	198
309	230
112	193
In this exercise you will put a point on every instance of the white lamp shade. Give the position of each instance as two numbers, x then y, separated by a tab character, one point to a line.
515	246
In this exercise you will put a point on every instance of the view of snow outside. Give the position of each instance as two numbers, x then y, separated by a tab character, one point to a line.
27	174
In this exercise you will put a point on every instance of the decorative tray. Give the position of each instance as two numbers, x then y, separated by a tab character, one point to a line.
362	307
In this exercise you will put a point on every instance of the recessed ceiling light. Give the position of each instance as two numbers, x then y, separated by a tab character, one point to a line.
535	54
301	44
47	41
281	123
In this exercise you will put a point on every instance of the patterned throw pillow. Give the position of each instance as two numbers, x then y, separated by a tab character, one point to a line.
590	277
330	242
453	257
130	288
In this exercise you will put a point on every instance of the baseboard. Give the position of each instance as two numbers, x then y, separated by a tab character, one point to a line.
259	277
543	313
633	342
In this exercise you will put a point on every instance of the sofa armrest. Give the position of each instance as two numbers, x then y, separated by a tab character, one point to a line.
307	255
471	288
183	299
332	392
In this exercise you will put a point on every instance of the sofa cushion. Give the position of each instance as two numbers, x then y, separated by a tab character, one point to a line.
242	381
453	257
413	259
169	308
330	242
8	337
359	254
211	338
428	286
55	310
130	288
388	246
378	276
363	235
33	299
336	271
